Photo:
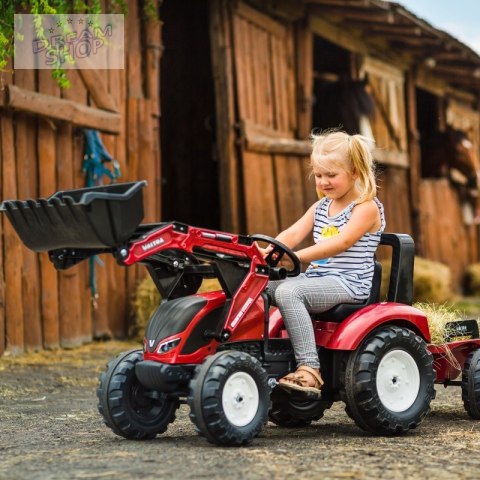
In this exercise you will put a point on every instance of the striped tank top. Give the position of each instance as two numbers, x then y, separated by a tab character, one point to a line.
353	268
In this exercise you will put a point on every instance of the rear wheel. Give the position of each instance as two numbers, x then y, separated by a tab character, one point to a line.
471	384
129	409
229	398
389	381
294	411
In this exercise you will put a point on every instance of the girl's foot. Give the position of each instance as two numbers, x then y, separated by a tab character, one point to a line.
305	379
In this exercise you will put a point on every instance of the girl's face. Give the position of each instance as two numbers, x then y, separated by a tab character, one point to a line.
335	182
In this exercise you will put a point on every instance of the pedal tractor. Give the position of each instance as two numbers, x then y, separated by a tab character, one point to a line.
222	352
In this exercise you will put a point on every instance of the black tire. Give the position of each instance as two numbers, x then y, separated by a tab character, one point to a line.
389	381
229	398
471	384
126	405
294	411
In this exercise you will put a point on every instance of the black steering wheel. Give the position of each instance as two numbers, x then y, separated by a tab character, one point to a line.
278	251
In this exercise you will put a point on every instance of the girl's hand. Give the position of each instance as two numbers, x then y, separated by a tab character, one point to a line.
264	251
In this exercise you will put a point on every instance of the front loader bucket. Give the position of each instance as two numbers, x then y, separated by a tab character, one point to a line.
96	217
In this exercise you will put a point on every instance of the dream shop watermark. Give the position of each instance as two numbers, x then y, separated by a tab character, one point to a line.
84	41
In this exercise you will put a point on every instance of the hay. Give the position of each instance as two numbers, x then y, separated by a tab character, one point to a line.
438	316
431	281
472	280
147	299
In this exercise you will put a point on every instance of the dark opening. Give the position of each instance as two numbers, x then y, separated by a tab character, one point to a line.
428	112
429	120
190	191
331	64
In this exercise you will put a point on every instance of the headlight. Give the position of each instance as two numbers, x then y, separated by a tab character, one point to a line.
167	346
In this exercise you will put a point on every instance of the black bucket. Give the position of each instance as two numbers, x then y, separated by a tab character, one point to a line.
96	217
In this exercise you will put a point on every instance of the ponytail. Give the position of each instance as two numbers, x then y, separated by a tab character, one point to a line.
362	162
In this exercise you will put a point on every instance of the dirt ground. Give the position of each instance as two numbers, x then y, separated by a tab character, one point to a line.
50	429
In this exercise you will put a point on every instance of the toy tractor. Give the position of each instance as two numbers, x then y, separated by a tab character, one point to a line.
222	352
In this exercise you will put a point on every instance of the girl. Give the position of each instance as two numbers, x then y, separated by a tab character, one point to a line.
347	223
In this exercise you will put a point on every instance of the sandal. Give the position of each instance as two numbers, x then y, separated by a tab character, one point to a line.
298	381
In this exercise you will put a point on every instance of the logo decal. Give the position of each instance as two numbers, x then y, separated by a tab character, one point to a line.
242	311
152	244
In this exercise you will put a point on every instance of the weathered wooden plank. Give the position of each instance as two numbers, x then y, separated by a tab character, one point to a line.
292	88
47	186
260	198
69	301
3	220
121	314
257	73
289	191
266	73
222	67
27	171
304	62
154	49
78	93
243	77
393	193
12	244
145	150
134	50
310	195
132	274
60	109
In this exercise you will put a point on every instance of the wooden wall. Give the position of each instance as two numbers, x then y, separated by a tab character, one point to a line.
445	236
40	307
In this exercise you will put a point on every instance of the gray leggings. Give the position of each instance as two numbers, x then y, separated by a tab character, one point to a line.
296	297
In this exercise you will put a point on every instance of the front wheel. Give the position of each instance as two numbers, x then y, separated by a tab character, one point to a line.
471	384
229	398
129	409
389	381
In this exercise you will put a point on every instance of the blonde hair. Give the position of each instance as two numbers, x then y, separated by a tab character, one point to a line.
352	152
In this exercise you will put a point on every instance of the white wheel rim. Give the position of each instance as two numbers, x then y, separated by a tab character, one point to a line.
398	380
240	399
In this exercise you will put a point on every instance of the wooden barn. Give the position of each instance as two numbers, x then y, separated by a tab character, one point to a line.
214	109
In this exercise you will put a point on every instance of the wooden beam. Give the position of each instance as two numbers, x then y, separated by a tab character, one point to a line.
260	19
265	140
394	37
97	88
342	14
341	3
472	73
388	29
59	109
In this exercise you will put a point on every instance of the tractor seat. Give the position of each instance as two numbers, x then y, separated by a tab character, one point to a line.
342	311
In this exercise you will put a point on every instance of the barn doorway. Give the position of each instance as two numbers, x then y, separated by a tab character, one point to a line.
190	190
332	64
430	122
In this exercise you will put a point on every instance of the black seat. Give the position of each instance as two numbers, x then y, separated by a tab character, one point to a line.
342	311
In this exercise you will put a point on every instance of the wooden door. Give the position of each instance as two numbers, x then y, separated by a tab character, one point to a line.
389	128
275	183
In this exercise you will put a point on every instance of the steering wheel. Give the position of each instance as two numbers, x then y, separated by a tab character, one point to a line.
277	253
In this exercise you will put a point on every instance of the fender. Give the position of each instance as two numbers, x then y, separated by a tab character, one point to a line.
351	332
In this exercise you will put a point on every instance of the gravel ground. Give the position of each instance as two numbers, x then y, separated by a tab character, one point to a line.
50	429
